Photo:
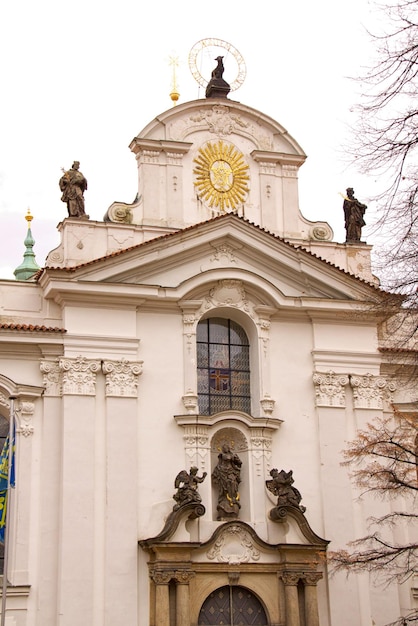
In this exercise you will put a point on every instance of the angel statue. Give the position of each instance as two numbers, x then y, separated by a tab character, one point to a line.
186	485
281	486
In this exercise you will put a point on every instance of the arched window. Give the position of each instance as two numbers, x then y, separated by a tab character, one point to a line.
223	367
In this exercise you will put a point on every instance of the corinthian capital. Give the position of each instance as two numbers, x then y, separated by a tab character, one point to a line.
330	388
79	376
122	377
290	578
52	374
161	577
368	391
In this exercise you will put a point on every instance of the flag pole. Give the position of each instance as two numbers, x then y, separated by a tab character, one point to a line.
7	533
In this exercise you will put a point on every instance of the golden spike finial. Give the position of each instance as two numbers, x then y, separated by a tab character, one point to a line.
174	94
28	217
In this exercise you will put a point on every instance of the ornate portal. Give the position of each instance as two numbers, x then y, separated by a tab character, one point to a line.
221	175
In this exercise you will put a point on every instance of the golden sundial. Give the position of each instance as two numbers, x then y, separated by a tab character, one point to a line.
221	175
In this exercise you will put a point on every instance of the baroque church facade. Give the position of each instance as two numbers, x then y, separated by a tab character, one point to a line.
185	375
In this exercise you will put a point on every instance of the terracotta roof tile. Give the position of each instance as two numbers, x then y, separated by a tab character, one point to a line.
36	328
400	350
195	226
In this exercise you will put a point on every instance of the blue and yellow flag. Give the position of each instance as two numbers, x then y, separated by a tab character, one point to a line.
4	482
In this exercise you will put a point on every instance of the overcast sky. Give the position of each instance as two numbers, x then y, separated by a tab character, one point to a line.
80	79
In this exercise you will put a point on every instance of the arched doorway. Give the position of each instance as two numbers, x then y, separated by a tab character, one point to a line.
232	606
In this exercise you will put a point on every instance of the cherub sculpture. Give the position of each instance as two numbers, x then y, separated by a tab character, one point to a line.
186	485
281	486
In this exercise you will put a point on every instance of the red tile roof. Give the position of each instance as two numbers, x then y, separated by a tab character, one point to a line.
299	247
36	328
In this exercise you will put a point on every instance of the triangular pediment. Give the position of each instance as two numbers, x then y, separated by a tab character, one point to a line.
182	264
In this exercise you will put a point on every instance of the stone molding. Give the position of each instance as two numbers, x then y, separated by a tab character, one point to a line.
330	388
122	377
4	401
79	375
310	579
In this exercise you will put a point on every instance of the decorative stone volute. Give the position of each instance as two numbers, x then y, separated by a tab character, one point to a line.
52	375
330	388
122	377
79	375
369	391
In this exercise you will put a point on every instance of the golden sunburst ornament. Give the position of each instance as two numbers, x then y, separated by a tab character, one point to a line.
221	175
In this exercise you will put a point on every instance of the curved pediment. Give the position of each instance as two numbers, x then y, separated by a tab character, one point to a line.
222	118
208	157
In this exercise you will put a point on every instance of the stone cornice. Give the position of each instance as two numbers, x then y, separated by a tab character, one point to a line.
269	423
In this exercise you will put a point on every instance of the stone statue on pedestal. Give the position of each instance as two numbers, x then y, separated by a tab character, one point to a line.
227	477
73	185
353	216
217	87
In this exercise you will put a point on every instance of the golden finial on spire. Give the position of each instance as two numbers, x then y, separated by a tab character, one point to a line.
28	217
174	95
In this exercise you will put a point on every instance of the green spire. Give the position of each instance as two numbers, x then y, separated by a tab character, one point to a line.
29	267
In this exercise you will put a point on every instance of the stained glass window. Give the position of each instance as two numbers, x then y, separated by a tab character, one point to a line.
223	367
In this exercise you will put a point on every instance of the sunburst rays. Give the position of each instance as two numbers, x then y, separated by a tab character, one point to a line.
221	176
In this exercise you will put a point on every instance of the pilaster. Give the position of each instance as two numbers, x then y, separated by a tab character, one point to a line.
77	490
182	578
49	499
190	319
310	581
290	581
117	453
161	579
